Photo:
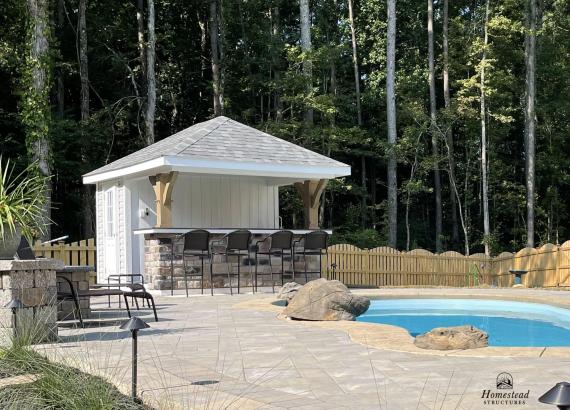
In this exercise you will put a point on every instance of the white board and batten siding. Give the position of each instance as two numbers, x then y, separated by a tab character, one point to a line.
203	201
209	201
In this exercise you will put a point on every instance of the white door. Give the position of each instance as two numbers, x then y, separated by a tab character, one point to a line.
111	240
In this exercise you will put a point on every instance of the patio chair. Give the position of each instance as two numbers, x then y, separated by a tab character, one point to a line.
69	295
196	244
235	243
311	244
280	242
138	291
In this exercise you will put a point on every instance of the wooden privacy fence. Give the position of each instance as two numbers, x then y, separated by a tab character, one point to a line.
386	266
547	266
75	253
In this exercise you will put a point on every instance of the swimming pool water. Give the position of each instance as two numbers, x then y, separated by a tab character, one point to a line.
507	323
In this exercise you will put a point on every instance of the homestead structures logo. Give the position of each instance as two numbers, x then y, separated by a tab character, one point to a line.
504	381
504	394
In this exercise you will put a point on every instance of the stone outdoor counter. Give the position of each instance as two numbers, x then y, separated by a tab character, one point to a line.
158	256
33	282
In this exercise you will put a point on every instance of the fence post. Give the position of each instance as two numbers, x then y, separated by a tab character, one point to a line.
559	279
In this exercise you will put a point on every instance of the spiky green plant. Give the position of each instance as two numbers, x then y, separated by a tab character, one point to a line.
22	200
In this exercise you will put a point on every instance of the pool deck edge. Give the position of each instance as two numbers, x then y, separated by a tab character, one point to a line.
397	339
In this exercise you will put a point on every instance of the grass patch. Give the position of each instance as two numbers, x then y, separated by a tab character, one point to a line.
57	386
54	385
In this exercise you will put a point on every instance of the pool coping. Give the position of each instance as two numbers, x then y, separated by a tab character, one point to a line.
397	339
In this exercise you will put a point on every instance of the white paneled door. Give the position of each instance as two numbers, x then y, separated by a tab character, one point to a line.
111	239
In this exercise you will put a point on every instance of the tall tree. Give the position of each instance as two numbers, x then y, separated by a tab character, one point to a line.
87	197
276	37
150	76
215	55
449	131
434	131
484	143
60	90
35	99
530	116
83	60
358	105
355	62
305	18
141	43
391	118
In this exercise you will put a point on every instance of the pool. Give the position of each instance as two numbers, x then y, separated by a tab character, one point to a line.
507	323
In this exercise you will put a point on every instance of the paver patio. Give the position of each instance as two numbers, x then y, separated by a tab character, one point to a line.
207	353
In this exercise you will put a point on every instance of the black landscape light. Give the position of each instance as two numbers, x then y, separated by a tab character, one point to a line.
133	325
559	396
14	305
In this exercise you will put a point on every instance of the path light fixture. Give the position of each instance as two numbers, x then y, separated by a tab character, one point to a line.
14	305
133	325
559	396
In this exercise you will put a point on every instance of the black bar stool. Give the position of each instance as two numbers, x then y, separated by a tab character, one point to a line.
235	243
196	244
312	243
279	243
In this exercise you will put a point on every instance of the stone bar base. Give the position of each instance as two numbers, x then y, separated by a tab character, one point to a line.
158	256
34	284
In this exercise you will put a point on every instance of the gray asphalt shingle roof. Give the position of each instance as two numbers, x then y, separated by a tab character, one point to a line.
227	140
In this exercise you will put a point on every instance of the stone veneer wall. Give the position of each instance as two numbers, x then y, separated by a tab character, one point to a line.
157	266
34	283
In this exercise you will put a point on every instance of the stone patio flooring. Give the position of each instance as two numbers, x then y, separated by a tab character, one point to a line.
207	353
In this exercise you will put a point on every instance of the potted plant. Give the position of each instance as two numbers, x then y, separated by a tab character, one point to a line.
22	200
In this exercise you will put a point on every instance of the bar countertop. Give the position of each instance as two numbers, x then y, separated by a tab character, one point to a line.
222	231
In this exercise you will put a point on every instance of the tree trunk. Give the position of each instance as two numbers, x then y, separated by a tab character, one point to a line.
364	190
391	119
434	136
214	50
151	78
530	117
484	165
60	90
141	44
221	48
203	49
276	33
37	98
449	132
87	196
355	62
83	60
409	195
305	18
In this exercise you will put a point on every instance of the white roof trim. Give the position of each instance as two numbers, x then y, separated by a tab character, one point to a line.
201	166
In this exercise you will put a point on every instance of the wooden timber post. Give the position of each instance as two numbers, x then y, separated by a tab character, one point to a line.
162	185
311	192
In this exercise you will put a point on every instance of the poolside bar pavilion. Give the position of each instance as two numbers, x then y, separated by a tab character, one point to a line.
217	175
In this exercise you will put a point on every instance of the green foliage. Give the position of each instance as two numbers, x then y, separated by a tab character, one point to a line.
21	200
363	238
264	86
53	385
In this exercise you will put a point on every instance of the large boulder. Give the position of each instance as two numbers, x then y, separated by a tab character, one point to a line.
322	299
453	338
288	291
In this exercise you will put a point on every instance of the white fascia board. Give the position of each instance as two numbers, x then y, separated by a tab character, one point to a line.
201	166
157	165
